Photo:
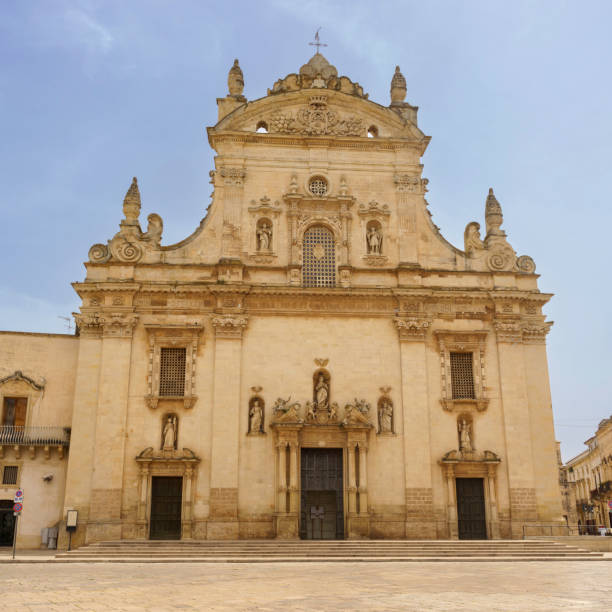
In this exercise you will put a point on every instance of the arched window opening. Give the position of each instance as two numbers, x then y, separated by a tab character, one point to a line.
372	131
262	127
318	186
319	258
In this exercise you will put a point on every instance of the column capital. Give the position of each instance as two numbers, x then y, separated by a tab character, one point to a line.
229	325
411	328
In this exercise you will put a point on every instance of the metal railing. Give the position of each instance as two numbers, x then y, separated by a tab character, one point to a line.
535	530
44	435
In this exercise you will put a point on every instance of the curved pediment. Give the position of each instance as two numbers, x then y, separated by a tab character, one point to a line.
319	112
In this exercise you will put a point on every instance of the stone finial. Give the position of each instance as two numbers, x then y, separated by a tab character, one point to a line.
398	87
131	204
235	80
493	215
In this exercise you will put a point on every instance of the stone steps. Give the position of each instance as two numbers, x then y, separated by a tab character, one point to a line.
276	551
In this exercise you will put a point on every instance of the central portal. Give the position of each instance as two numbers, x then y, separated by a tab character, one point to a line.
322	502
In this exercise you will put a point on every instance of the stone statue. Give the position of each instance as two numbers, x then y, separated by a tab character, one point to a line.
154	229
322	393
311	414
471	238
385	415
465	438
333	411
256	417
398	87
235	80
374	239
264	237
353	414
169	434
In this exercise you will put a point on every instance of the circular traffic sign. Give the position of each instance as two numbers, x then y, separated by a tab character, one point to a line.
17	507
18	493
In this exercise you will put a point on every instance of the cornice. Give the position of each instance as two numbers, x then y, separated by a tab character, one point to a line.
340	142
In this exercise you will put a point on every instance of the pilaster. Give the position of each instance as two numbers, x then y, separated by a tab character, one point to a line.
223	522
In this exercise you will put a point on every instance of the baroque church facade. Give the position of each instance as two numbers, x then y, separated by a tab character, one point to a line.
314	361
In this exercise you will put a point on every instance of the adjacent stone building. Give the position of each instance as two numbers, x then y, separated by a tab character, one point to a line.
314	361
589	476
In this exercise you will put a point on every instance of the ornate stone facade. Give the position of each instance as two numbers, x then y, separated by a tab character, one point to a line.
316	309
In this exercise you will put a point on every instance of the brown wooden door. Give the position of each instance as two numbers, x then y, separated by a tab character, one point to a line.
322	489
471	509
14	411
166	501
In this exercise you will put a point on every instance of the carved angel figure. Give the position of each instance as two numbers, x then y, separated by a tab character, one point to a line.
333	411
169	434
310	411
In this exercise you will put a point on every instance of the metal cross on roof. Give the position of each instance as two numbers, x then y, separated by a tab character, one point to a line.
317	42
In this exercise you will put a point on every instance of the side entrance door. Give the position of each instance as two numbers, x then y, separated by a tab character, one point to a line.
471	509
7	522
166	501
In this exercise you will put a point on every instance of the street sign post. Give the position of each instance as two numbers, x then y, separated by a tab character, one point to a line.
17	508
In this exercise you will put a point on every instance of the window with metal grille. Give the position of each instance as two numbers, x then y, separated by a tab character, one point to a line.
9	475
462	376
319	258
172	371
317	186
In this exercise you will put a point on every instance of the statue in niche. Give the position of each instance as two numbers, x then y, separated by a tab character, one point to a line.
256	415
169	433
385	415
374	240
264	236
322	392
465	436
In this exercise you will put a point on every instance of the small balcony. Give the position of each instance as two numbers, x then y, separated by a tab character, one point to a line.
46	437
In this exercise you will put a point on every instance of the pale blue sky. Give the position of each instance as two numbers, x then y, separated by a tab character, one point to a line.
516	95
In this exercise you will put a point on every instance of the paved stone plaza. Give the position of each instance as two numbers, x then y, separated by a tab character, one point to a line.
270	587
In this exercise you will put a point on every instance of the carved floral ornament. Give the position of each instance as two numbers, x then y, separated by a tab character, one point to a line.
411	328
316	119
409	183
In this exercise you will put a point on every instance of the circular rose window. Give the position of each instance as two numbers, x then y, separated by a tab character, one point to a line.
318	186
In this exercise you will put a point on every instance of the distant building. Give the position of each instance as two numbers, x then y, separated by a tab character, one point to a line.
314	361
590	473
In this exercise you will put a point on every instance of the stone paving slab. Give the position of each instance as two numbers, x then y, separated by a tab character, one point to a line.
329	587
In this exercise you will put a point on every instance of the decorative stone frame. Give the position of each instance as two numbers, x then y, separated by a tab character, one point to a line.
18	384
455	465
172	336
305	210
290	439
166	463
368	213
264	209
474	342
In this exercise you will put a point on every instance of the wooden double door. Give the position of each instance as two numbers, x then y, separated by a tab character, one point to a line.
471	509
322	494
166	504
